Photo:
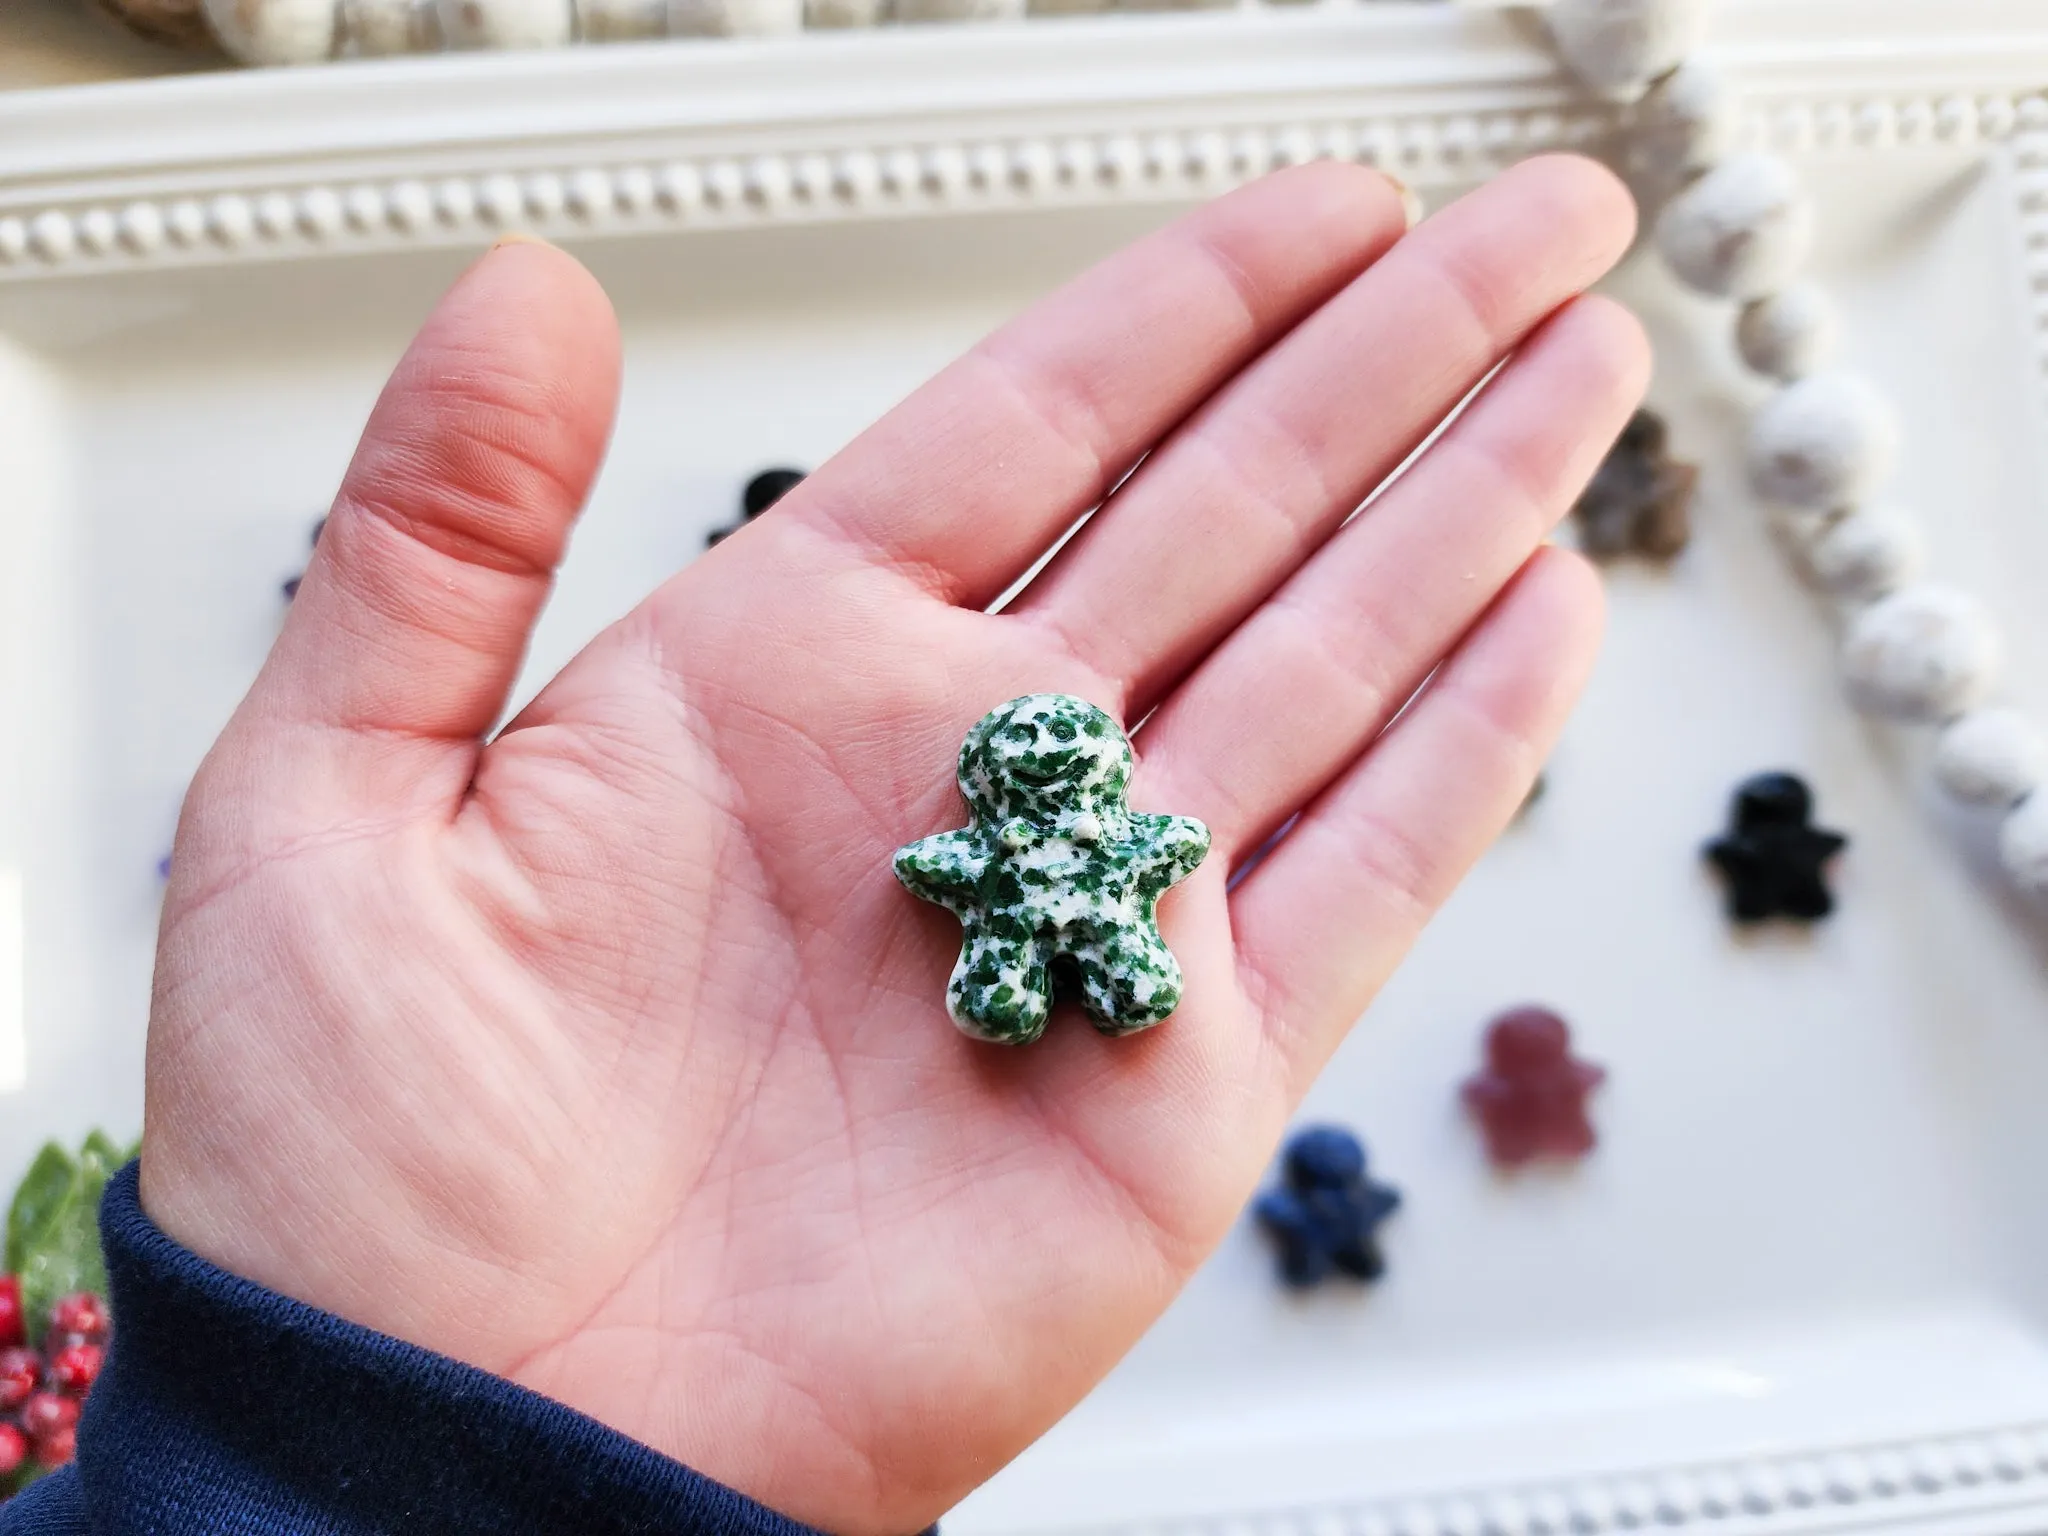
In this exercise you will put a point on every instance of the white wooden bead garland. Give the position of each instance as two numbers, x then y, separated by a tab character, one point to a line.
273	32
1788	334
1858	552
1995	757
506	23
1619	47
1922	653
1738	226
1821	442
1682	125
377	28
1740	229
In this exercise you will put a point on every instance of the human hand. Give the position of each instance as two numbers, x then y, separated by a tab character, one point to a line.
608	1055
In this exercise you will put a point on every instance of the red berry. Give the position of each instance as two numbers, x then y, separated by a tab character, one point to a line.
20	1370
44	1414
13	1449
82	1317
13	1322
76	1368
58	1447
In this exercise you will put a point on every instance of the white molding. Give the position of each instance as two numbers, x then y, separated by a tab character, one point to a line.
1987	1483
272	164
2030	171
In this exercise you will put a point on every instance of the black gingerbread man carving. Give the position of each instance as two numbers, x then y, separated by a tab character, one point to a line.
1773	856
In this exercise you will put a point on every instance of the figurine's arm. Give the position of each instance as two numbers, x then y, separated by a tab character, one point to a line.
1169	852
944	869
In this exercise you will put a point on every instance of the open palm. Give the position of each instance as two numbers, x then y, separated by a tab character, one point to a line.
610	1057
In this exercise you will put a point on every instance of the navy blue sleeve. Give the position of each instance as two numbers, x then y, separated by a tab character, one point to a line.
224	1407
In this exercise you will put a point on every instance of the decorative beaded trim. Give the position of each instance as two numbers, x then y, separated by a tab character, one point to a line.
631	197
1893	1482
620	198
2030	166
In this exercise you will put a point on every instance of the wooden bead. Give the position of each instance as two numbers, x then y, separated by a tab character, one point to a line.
380	28
1861	553
956	10
619	21
1680	128
1821	443
1786	335
2023	844
1741	230
1925	653
830	15
180	23
1993	757
274	31
1617	47
506	24
734	18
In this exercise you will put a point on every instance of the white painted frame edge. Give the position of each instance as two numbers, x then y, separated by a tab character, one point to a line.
589	142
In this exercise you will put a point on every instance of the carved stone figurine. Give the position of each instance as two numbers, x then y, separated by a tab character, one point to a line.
762	492
1056	879
1774	856
1640	498
1530	1096
290	585
1324	1218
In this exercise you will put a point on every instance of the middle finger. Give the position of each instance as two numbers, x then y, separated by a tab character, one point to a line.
1262	474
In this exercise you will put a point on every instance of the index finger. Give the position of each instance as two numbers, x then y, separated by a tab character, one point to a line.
973	476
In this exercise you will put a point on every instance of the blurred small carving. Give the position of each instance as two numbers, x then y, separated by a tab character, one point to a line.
1640	499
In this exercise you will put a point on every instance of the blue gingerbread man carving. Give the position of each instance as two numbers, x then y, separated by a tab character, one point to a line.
1324	1218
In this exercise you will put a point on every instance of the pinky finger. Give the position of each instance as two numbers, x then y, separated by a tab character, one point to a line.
1324	919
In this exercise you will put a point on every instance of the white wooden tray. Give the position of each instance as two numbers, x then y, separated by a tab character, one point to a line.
1803	1285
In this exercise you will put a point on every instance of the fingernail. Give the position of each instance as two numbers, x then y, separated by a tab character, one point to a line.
1411	201
516	237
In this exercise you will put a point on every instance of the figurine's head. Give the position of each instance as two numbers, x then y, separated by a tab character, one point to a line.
1325	1157
1042	755
1645	434
1526	1040
1772	800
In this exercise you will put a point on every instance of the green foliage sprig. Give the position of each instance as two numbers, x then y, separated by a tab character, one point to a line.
53	1233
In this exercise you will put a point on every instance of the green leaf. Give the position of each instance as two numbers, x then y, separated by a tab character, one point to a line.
53	1228
64	1259
47	1185
102	1149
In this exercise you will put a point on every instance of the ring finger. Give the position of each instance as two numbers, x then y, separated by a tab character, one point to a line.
1308	682
1233	501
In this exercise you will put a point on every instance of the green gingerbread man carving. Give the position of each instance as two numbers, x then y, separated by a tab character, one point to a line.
1056	876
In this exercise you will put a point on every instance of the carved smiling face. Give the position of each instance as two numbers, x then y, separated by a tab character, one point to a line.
1042	755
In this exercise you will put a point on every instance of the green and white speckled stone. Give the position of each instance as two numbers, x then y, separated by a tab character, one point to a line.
1056	874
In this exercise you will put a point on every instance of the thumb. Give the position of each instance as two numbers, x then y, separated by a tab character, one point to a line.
408	630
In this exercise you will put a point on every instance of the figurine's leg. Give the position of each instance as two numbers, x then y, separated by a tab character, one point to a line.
1752	902
1129	981
1808	898
1361	1259
1303	1260
1000	990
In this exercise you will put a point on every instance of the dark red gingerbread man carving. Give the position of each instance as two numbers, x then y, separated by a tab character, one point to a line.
1530	1097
